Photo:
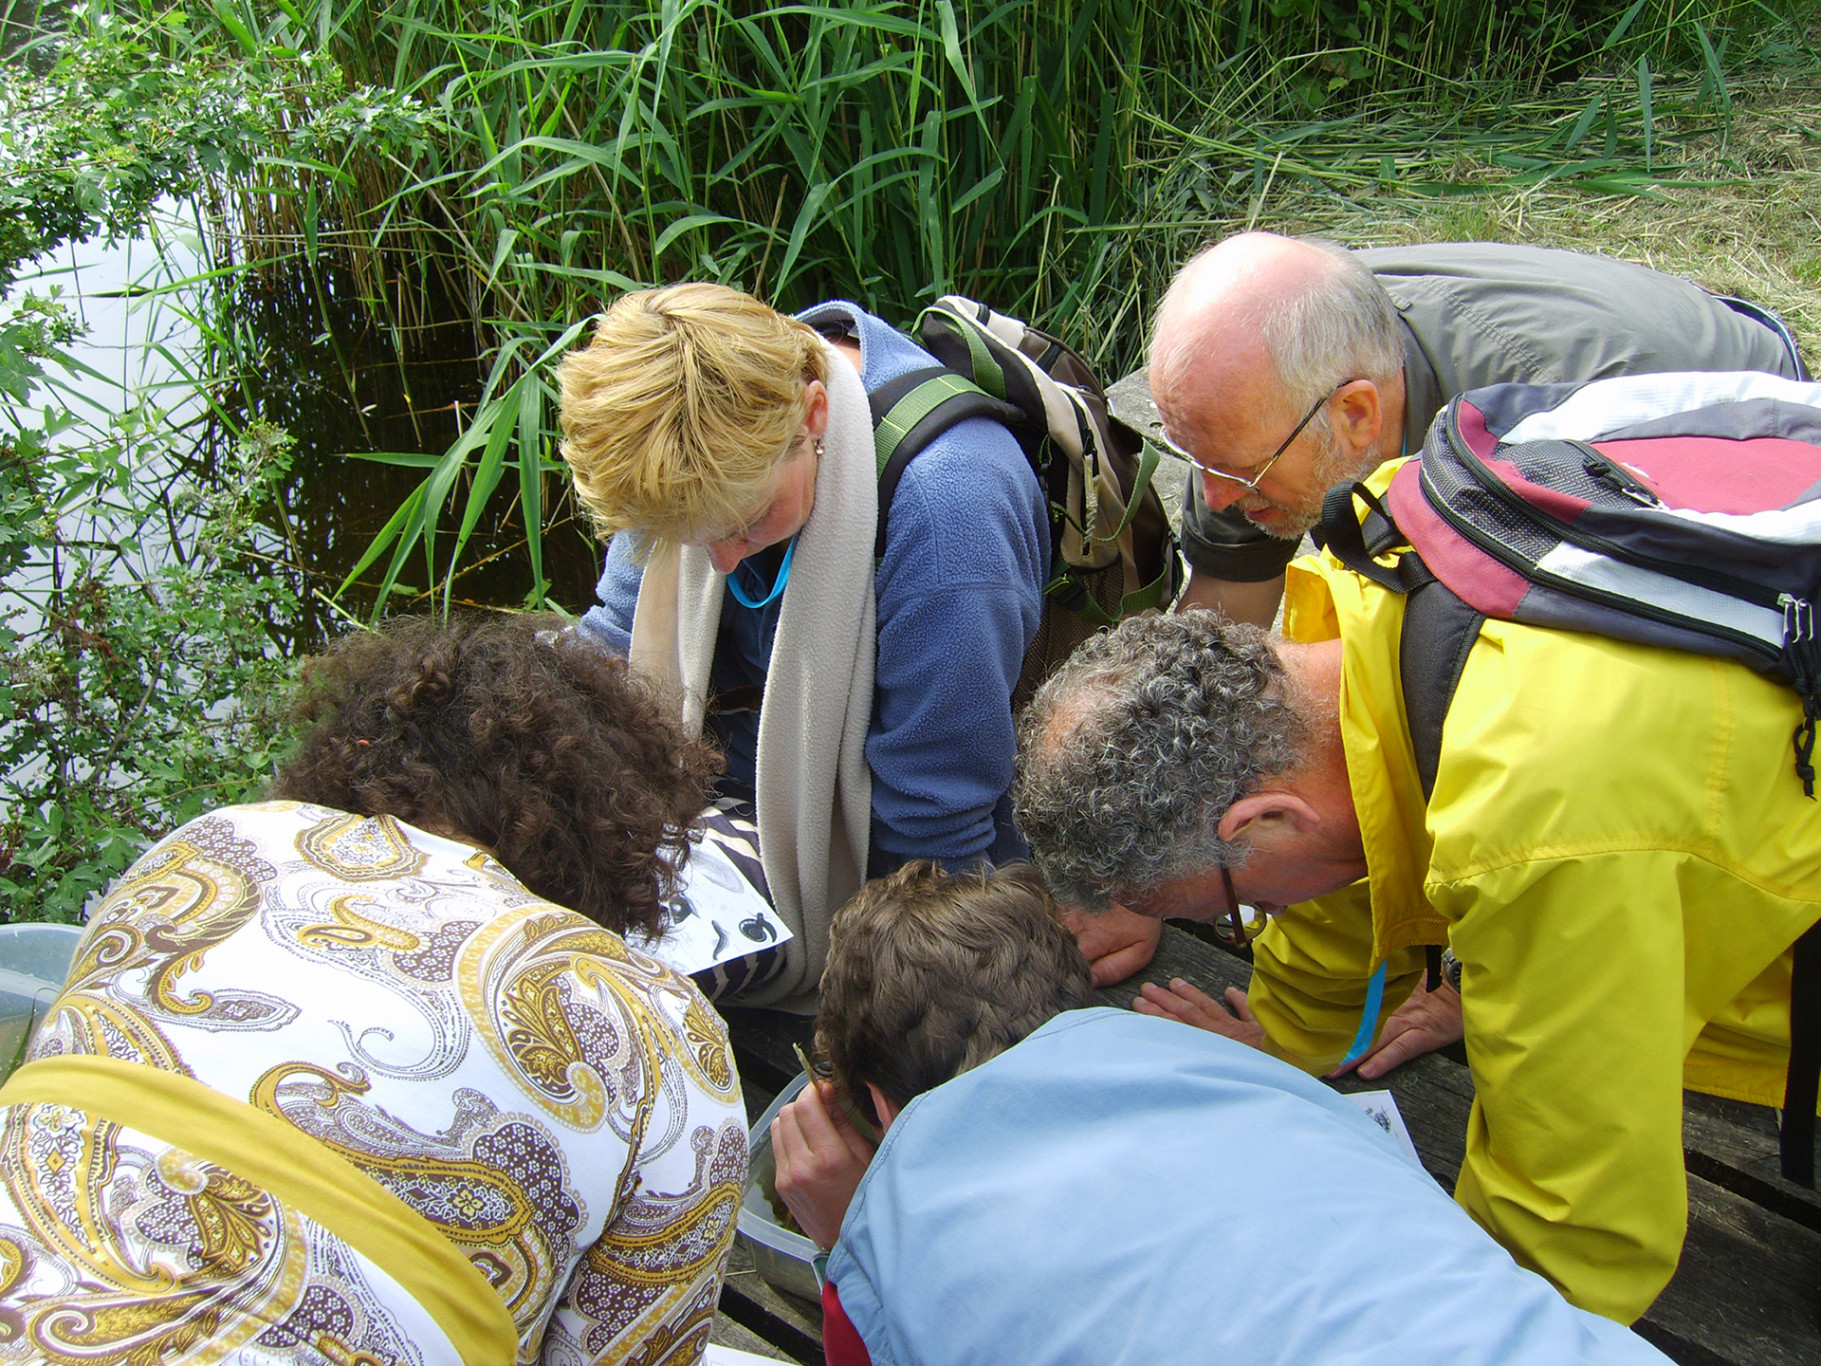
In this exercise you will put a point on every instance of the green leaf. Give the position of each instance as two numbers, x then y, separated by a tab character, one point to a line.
1620	29
688	223
799	232
501	250
1644	110
224	14
1584	122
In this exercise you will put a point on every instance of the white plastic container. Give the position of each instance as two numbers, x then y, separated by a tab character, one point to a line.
34	960
783	1258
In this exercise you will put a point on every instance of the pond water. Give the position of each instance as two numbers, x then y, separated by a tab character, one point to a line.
298	348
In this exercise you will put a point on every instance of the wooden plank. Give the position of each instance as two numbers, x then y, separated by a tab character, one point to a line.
791	1326
1746	1288
725	1332
1735	1145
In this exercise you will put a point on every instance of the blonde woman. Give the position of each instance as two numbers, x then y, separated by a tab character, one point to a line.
864	703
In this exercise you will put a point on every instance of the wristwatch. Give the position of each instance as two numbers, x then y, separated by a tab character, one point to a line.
1451	969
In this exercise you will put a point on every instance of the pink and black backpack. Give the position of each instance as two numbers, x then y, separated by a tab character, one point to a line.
1680	510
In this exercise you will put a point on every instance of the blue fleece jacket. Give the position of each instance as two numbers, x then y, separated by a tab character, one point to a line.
959	594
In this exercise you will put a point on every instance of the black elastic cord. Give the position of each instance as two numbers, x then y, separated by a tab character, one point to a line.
1804	740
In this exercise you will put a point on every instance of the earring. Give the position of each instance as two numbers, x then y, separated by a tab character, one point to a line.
819	448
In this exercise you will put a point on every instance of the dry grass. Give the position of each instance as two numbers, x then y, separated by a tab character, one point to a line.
1746	220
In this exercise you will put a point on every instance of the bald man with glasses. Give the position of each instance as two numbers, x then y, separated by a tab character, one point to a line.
1259	331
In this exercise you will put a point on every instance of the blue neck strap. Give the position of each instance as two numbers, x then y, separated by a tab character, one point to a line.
777	587
1375	988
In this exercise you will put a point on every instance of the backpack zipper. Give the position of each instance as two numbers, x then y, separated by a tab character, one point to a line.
1587	541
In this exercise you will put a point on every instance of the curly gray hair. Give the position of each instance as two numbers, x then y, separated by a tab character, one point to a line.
1134	749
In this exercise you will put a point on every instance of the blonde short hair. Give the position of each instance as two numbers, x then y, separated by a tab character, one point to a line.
677	413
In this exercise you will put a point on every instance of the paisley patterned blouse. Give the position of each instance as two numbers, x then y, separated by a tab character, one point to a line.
565	1110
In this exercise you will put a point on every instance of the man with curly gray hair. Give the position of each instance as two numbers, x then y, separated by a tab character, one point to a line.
1611	848
1166	723
1155	761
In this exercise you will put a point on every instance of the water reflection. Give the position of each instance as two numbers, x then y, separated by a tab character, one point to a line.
298	346
341	379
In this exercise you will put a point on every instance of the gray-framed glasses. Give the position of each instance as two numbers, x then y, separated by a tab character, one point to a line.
1168	447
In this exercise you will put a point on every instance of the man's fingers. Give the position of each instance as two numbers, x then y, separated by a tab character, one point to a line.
851	1138
816	1129
1188	991
1116	942
1394	1027
814	1114
790	1152
1426	1021
1236	1001
1411	1040
1164	1001
1185	1002
1144	1007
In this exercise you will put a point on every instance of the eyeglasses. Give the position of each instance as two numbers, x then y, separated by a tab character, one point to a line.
1233	929
1157	438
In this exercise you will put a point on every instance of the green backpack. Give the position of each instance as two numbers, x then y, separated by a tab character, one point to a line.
1114	554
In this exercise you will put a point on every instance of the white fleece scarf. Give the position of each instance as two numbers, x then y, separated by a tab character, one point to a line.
814	787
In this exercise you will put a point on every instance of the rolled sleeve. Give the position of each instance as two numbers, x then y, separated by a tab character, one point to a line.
1228	546
1309	977
609	625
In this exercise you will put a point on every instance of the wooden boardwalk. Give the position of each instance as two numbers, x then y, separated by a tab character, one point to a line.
1747	1292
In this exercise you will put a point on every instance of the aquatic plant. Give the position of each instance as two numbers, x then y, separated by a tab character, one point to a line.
139	578
1054	159
527	159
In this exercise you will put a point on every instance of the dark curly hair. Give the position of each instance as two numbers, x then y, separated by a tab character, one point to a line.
507	730
932	973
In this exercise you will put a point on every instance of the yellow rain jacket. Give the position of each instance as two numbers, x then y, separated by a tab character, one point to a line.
1619	852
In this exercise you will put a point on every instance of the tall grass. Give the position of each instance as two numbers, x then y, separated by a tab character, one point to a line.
1050	157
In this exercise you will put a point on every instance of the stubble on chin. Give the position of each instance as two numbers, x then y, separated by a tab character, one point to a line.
1291	521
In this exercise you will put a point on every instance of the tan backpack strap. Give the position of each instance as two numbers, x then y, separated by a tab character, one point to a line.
294	1169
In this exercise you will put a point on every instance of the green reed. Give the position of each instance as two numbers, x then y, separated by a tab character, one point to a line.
1052	158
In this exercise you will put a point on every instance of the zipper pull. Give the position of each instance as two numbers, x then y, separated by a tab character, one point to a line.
1798	618
1609	471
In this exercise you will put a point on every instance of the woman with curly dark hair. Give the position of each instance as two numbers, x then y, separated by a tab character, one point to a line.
365	1072
545	754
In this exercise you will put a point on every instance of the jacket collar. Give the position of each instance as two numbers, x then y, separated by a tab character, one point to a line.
1323	600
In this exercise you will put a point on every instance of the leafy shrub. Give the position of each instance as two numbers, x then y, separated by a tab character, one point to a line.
138	679
137	687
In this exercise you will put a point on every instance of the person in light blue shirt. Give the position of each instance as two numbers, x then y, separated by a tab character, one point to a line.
1084	1187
